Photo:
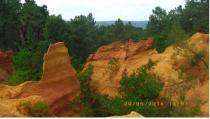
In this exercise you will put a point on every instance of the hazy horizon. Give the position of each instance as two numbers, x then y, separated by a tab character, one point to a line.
108	10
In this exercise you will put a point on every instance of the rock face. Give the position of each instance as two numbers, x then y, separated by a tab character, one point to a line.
128	55
12	108
6	65
120	50
58	85
132	55
132	114
125	54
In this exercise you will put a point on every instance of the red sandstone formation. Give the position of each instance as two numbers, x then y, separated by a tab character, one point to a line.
58	86
59	83
132	55
121	50
6	65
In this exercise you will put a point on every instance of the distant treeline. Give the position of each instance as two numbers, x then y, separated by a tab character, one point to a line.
141	24
28	29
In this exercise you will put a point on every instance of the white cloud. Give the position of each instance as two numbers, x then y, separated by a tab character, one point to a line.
108	9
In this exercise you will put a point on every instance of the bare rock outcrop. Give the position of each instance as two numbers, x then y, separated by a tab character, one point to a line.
58	85
127	54
6	64
14	108
121	50
131	114
133	55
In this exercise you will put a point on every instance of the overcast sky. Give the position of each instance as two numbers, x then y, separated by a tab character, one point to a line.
102	10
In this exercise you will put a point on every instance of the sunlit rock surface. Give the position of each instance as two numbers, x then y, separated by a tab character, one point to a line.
6	64
57	87
132	55
131	114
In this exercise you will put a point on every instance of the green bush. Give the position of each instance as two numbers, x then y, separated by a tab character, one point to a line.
190	52
21	76
113	67
113	63
141	86
77	63
86	97
39	109
22	59
161	43
85	77
101	105
180	111
28	65
37	59
91	103
18	77
197	58
196	110
87	111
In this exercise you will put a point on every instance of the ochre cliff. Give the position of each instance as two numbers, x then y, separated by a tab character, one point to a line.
6	65
132	55
57	87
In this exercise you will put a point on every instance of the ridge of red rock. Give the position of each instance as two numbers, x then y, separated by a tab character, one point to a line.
132	55
58	86
121	50
59	82
6	64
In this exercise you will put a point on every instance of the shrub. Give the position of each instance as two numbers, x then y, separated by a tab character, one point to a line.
28	65
21	76
101	105
39	109
177	89
86	96
75	104
91	103
85	77
196	110
197	58
160	43
87	111
22	59
189	51
18	77
113	66
37	58
77	63
141	86
180	110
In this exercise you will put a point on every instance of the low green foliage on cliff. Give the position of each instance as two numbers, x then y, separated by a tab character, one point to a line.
139	92
86	96
140	87
39	109
85	77
28	64
113	67
18	77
